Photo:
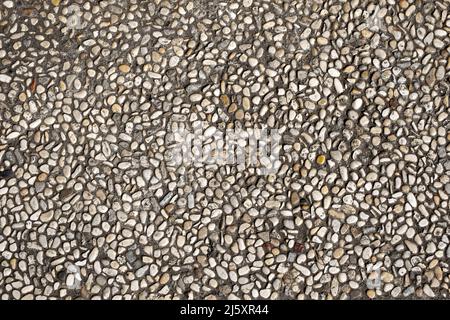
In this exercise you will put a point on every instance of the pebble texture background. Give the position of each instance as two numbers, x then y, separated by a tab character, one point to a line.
90	208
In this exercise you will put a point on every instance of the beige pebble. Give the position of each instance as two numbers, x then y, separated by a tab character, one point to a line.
339	252
23	97
116	108
387	277
371	294
124	68
165	277
404	4
322	41
246	103
239	114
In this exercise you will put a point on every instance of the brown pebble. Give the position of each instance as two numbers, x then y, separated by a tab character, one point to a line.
42	177
225	100
298	247
232	108
169	208
295	198
33	86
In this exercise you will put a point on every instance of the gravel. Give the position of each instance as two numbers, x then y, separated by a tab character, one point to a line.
224	149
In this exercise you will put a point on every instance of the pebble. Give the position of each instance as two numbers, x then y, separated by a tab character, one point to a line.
5	78
124	68
320	159
412	199
357	104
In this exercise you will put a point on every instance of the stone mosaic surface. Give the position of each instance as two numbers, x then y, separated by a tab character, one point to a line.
355	206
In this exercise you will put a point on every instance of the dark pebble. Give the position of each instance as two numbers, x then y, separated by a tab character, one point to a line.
5	174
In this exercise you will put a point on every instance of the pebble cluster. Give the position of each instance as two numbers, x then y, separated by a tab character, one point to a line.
90	208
